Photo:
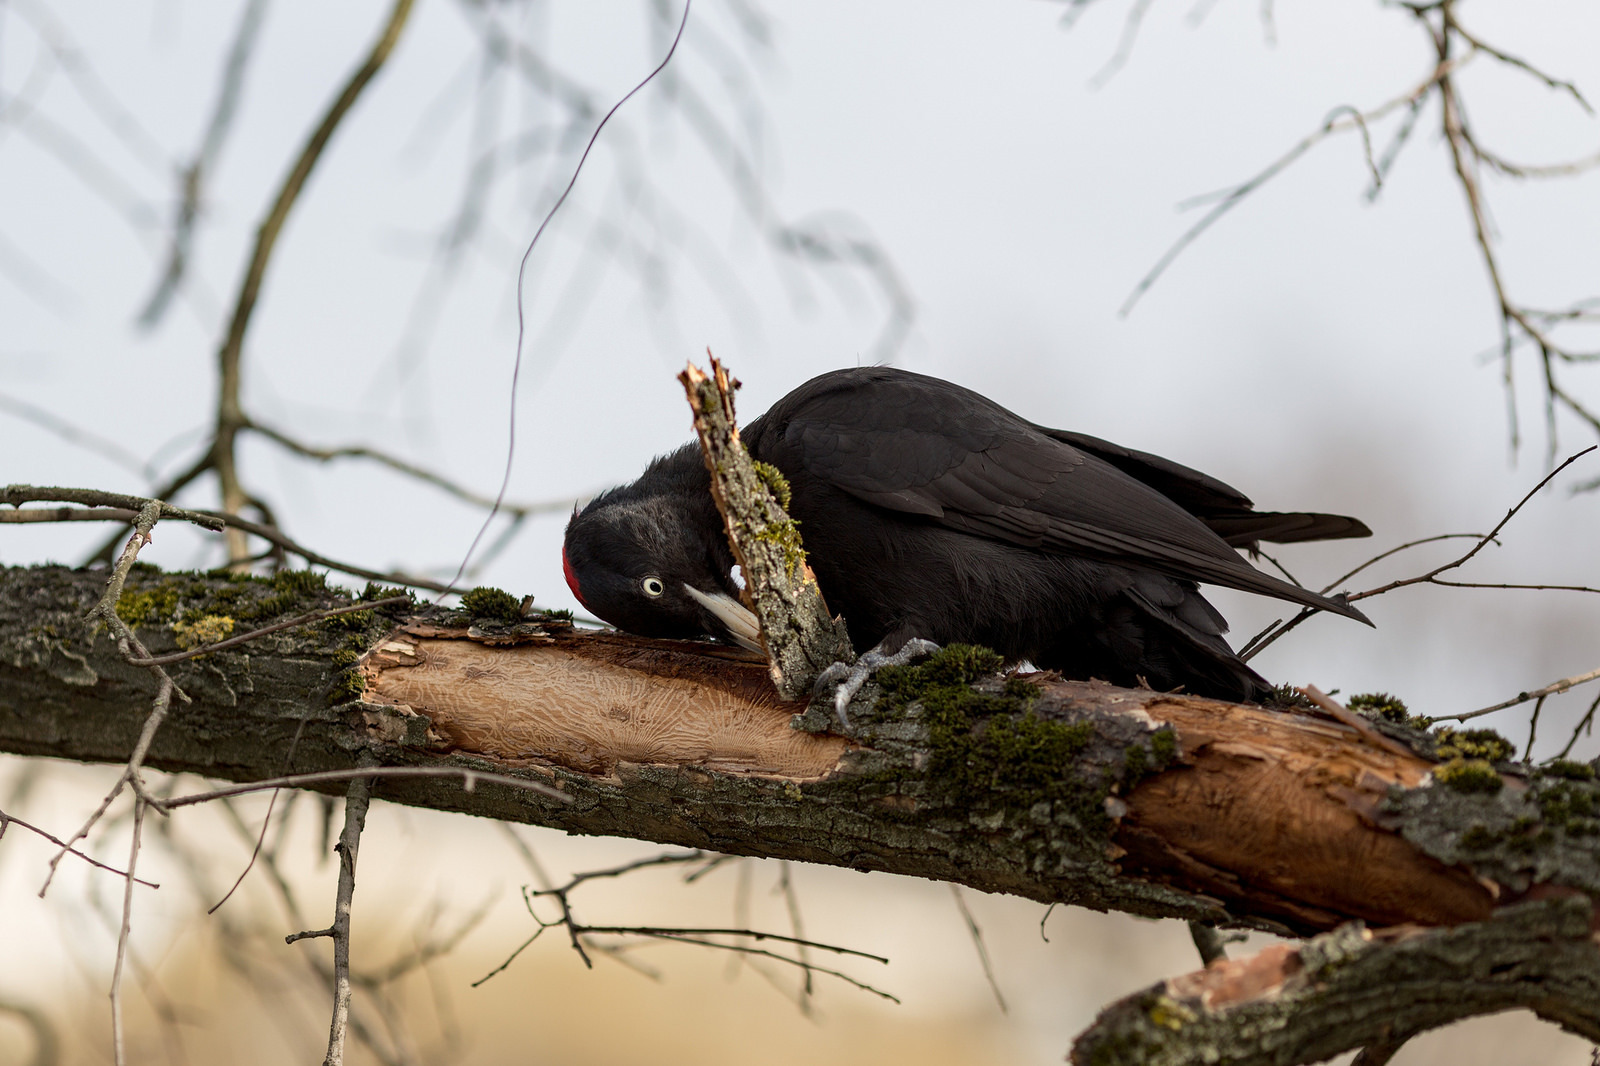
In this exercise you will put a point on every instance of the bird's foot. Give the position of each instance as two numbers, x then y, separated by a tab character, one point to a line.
846	680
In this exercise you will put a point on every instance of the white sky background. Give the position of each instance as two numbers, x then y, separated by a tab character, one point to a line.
1316	351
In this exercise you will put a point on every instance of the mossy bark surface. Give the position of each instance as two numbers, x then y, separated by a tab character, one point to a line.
1356	988
1151	803
1071	792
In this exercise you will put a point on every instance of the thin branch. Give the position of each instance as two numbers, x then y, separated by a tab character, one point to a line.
128	646
7	820
1267	636
977	942
357	799
122	935
17	495
230	412
255	852
791	900
1342	714
1533	729
1130	33
438	481
111	506
1586	722
83	438
1509	60
470	779
168	489
1552	689
191	179
1482	541
100	97
1338	120
580	933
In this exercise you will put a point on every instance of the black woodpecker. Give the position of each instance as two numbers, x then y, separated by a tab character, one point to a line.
929	511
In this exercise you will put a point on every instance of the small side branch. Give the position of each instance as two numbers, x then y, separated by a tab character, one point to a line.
357	799
739	941
1305	1003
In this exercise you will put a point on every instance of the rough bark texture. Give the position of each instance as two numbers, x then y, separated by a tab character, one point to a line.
801	637
1354	988
1155	804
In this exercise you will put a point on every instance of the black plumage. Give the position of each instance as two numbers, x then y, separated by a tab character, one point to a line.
930	511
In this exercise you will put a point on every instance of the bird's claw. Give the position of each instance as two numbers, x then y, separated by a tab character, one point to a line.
846	680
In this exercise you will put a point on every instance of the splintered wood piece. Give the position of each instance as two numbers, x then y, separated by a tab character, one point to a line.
801	638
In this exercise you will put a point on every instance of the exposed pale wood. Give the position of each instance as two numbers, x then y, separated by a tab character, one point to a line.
1284	810
590	704
1267	817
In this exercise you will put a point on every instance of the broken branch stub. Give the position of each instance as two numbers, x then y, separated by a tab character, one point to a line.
801	637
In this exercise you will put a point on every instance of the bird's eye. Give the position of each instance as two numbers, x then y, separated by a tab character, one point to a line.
652	586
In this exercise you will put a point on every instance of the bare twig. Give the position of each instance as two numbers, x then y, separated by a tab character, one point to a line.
191	179
579	933
111	506
1482	542
1454	46
469	778
103	100
255	852
122	935
411	470
1586	722
129	646
1267	636
791	900
977	942
8	820
357	799
524	849
83	438
230	411
1552	689
1533	729
17	495
1340	119
1130	33
33	515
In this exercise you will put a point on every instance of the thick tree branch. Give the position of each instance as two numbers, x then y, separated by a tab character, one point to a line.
1076	792
1152	803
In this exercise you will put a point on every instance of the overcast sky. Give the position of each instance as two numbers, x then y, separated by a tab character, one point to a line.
1315	349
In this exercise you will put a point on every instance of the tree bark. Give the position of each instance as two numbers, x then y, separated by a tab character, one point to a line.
1074	792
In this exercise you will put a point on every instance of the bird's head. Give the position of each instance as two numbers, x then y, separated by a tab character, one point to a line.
650	566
